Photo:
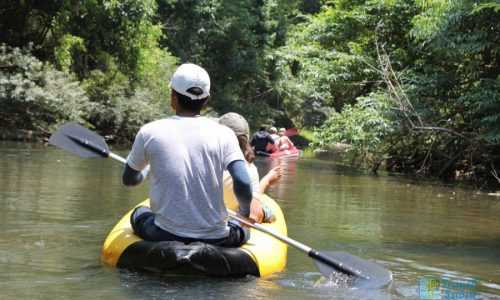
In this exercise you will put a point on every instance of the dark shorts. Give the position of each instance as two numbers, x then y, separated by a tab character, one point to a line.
142	220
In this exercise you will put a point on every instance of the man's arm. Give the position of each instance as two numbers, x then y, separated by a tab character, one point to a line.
136	161
133	177
242	186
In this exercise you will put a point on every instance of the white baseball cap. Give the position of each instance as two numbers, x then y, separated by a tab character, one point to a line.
188	76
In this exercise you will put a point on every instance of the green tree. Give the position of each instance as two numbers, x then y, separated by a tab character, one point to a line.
231	39
328	60
35	96
458	84
111	46
441	78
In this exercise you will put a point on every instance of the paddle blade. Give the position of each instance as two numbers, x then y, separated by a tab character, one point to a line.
80	141
366	274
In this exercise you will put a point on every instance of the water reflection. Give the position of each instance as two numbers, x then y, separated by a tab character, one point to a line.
57	210
288	166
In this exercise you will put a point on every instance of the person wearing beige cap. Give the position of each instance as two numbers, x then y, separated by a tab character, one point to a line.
239	125
188	155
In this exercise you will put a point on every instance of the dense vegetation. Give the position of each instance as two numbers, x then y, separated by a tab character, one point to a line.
411	85
107	52
433	104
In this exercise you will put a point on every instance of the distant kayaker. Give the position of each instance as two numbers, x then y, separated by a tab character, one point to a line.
261	142
273	132
284	143
188	154
259	212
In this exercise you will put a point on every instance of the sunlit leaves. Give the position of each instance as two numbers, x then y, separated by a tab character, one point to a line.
35	96
364	126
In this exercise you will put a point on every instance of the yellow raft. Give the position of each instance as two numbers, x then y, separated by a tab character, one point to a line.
262	255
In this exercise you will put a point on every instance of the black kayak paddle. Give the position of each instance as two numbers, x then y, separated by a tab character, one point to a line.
81	141
365	273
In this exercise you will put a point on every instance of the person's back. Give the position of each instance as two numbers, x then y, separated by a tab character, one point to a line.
186	173
188	154
260	140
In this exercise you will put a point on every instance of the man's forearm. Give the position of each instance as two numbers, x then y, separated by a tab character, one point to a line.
241	185
133	177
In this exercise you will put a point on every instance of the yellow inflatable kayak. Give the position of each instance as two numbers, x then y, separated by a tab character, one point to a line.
262	255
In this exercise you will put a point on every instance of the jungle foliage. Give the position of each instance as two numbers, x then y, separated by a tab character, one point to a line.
110	47
34	95
412	85
430	73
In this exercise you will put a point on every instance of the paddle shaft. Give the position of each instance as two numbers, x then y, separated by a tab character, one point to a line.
93	147
298	245
117	157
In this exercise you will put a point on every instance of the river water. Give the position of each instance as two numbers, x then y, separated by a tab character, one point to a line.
56	209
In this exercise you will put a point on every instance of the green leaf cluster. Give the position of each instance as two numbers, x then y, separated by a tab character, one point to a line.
442	84
364	126
34	95
329	59
111	47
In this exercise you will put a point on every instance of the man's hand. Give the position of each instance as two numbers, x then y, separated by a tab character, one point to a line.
241	219
256	212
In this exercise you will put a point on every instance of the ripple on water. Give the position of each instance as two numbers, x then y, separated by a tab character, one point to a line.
338	286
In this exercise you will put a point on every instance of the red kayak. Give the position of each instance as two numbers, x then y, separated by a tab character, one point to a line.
294	152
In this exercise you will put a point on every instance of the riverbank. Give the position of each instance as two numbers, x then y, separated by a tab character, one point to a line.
21	135
305	140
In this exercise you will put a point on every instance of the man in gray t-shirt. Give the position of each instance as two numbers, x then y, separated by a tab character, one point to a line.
187	155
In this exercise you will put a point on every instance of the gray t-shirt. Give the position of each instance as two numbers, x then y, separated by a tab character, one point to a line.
188	156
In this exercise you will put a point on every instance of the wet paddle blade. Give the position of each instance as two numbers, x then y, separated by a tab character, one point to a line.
80	141
367	274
